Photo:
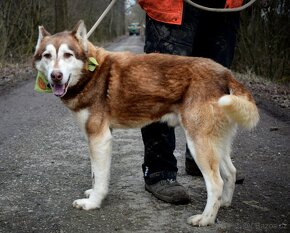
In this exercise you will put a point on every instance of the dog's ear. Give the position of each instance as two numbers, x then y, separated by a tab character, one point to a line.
80	32
41	34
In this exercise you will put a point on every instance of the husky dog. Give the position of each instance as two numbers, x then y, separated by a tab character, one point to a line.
125	90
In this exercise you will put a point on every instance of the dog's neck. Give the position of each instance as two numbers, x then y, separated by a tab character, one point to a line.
81	95
97	52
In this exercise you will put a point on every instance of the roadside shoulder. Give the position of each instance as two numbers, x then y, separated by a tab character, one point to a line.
271	97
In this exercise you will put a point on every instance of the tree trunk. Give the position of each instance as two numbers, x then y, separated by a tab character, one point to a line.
61	16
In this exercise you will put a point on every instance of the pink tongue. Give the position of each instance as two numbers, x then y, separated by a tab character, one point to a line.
58	90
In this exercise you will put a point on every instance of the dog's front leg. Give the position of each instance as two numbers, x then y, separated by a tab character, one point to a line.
100	153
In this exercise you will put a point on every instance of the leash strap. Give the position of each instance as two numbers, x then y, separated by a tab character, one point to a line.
228	7
231	6
101	18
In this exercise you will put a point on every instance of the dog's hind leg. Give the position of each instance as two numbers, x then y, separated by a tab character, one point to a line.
227	169
228	173
207	158
100	153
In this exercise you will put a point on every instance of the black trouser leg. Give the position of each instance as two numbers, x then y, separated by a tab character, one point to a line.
159	160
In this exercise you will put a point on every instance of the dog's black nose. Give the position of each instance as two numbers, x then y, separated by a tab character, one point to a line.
56	76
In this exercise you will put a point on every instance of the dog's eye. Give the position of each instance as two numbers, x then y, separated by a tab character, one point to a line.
67	55
47	55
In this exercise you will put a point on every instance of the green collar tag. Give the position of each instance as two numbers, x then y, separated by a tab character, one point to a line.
41	84
92	64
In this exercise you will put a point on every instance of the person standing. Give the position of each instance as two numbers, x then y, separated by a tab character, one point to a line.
175	27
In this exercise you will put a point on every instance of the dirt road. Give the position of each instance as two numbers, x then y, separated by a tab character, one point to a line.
44	167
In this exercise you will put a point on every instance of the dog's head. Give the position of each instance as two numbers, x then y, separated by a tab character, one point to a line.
61	57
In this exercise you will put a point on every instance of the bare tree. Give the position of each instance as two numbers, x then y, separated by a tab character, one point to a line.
264	44
61	15
19	21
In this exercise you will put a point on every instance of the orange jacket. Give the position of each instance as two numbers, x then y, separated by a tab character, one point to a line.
166	11
170	11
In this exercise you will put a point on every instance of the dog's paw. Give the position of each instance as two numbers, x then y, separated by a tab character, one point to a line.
88	192
200	220
85	204
225	203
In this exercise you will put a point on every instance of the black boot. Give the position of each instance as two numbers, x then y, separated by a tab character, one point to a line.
166	189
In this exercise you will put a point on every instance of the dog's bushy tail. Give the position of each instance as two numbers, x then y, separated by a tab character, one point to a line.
240	105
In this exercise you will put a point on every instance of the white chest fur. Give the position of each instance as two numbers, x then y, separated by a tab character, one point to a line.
82	117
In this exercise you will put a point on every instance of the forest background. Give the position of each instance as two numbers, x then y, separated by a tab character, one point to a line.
264	35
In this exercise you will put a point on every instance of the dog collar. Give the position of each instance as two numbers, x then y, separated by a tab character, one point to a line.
42	85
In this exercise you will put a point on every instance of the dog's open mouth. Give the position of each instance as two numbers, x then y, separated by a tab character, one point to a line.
60	89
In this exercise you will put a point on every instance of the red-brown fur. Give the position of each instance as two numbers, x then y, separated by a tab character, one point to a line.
141	88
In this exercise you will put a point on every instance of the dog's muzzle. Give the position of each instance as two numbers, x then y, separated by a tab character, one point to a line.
59	89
